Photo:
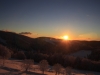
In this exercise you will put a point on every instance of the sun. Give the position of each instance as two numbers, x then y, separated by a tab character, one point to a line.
65	37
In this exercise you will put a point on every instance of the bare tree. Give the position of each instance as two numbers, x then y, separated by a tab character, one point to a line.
68	70
27	65
57	67
4	54
43	65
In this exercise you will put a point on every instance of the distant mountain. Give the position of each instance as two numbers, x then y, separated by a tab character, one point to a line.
15	40
45	44
18	41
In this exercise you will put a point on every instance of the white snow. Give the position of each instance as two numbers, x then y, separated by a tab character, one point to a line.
12	65
50	41
81	53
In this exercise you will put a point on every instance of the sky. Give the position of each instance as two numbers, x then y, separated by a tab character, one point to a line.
79	19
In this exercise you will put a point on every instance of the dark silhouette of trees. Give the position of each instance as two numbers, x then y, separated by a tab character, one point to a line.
78	62
20	55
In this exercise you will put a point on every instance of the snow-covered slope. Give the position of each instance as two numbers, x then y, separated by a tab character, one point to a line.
82	53
12	67
50	41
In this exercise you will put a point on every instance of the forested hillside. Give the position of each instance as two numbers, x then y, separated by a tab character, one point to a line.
51	49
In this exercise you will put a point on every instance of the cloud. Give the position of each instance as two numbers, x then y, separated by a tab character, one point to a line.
24	33
29	34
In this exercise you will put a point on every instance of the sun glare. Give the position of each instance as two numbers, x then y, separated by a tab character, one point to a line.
65	37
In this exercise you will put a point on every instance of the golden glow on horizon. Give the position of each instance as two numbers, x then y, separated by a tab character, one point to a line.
65	37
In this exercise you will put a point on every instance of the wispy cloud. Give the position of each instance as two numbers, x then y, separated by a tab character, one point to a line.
29	34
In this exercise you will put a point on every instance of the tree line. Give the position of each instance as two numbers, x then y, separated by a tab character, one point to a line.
64	60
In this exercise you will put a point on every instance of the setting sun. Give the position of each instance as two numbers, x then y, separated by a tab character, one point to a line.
65	37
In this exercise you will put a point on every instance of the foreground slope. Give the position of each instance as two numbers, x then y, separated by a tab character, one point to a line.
13	67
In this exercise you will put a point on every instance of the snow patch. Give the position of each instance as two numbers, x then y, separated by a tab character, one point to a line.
50	41
82	53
